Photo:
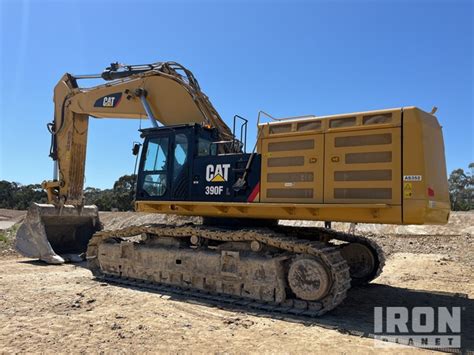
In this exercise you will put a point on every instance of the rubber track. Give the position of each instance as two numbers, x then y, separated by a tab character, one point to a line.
330	255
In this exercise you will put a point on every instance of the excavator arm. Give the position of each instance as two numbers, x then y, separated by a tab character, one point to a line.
163	92
157	91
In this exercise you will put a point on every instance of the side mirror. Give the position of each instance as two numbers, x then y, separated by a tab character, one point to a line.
136	148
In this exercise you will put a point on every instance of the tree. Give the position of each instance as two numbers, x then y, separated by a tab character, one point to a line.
471	186
124	192
7	189
98	197
461	189
25	194
120	197
16	196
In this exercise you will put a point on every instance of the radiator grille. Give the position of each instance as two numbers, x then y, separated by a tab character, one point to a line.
290	193
363	193
290	177
363	175
281	128
377	119
291	145
346	159
342	122
285	161
371	157
308	126
357	141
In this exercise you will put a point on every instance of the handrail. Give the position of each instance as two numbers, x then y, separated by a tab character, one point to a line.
243	131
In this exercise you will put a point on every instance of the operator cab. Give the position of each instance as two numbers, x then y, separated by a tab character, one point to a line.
183	163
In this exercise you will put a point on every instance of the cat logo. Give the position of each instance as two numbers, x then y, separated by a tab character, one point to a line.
111	100
217	173
108	101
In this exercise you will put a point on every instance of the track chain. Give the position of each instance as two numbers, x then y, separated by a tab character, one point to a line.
330	234
330	255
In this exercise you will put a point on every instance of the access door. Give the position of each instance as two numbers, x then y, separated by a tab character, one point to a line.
363	166
165	167
292	168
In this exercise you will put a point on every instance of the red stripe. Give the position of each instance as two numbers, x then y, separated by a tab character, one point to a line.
120	99
254	193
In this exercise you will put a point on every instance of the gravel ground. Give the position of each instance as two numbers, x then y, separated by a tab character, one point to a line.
47	309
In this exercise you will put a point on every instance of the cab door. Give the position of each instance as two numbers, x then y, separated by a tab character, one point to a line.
153	180
180	167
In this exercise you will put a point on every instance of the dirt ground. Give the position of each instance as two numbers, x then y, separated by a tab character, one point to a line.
48	309
8	218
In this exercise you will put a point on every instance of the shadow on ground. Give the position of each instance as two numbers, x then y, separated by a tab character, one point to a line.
36	262
356	315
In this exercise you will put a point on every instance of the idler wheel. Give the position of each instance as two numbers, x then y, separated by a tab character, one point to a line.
361	261
309	279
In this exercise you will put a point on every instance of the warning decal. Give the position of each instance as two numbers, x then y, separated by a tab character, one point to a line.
407	189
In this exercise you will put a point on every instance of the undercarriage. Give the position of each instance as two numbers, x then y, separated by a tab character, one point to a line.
293	270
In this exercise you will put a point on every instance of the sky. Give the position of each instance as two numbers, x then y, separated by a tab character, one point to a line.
287	58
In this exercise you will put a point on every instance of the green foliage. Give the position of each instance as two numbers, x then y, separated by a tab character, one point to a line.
124	191
7	237
16	196
120	198
461	189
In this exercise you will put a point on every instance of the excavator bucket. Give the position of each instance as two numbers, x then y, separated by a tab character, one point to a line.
56	235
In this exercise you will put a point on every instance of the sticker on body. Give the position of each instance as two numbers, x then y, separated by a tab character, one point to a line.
412	178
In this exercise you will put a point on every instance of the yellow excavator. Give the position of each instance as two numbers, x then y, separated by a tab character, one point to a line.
385	166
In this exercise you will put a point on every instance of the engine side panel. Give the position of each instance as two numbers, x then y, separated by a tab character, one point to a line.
342	159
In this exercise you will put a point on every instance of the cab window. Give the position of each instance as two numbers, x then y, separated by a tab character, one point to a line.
180	154
154	182
204	147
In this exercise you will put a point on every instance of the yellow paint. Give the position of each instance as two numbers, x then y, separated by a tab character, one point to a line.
363	213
